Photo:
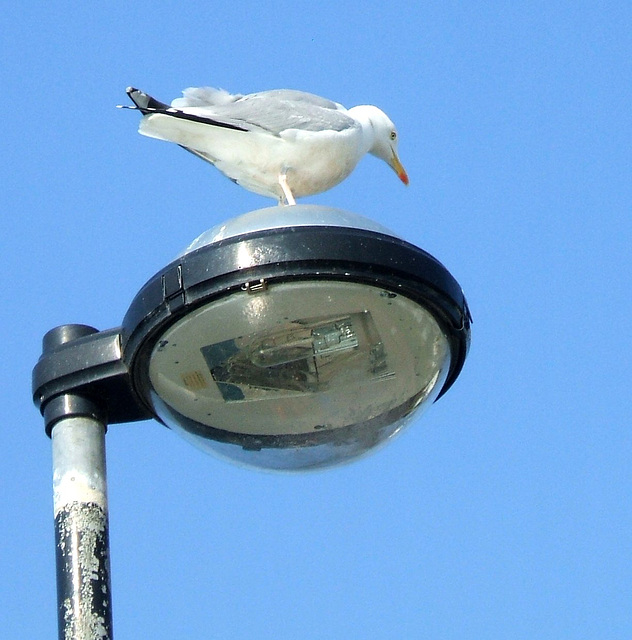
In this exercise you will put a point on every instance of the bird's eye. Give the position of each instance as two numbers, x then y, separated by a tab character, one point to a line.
393	135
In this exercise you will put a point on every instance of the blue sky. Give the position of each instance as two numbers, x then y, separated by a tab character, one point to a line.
504	512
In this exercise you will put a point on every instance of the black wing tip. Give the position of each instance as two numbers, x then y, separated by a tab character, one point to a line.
139	98
144	102
134	95
147	105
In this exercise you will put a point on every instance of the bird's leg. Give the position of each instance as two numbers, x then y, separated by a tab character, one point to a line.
289	198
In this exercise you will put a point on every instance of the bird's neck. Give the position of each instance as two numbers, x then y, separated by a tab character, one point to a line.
362	115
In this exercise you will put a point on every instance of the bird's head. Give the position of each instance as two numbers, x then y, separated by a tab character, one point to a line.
384	139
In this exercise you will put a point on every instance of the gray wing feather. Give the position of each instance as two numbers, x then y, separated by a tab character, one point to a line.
274	111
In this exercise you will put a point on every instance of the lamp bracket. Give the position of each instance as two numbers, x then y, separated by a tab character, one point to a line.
81	372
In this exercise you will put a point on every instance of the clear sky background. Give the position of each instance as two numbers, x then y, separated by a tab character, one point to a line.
504	512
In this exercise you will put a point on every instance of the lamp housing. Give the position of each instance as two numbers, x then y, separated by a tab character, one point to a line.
288	338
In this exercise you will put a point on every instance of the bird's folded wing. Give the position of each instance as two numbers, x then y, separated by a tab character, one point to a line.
278	111
272	112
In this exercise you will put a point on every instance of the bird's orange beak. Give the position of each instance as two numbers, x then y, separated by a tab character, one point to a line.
398	167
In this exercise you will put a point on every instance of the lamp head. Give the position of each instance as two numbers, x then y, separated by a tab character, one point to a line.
295	337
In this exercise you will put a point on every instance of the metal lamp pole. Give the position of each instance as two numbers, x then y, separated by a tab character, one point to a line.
81	512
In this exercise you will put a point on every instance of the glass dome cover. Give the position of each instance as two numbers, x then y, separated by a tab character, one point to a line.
247	378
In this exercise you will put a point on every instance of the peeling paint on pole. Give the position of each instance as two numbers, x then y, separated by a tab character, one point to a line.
81	534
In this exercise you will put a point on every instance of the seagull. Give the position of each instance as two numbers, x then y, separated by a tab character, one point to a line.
283	144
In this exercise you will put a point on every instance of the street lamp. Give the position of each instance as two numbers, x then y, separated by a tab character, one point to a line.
289	338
